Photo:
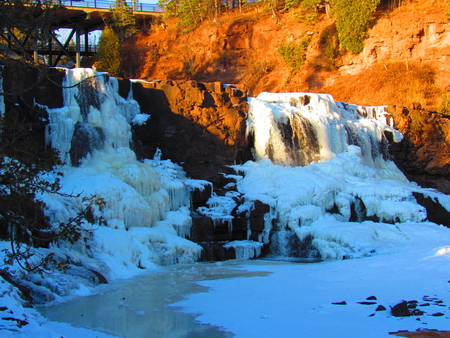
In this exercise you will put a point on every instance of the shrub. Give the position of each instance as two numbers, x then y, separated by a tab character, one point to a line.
353	18
444	107
294	54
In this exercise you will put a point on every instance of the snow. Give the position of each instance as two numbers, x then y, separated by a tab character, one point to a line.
296	300
140	119
319	165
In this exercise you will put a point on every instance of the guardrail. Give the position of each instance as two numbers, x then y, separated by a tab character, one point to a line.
105	4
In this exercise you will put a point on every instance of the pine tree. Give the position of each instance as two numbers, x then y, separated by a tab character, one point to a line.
191	12
109	56
122	20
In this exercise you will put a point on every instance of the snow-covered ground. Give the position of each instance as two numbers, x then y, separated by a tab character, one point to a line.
396	256
296	300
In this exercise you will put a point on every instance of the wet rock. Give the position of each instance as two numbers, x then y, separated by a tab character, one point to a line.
401	310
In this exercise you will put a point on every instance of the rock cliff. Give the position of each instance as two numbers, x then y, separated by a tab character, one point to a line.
242	48
201	125
424	153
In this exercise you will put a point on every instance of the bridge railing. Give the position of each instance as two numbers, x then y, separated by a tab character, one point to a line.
108	4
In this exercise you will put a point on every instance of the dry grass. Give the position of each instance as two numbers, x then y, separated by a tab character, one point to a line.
397	83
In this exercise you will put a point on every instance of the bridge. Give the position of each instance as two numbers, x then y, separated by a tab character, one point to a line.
81	18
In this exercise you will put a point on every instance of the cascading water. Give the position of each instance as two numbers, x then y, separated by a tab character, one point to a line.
297	128
146	203
323	167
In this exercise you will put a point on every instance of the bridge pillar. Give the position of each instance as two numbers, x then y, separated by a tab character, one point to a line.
35	53
50	52
77	48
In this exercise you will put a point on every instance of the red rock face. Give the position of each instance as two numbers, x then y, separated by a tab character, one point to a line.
192	123
424	153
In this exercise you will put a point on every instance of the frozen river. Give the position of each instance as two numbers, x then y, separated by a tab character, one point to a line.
138	307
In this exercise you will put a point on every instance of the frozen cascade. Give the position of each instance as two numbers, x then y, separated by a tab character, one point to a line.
299	128
146	203
342	197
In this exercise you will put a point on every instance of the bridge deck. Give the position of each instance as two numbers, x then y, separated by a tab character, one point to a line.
81	17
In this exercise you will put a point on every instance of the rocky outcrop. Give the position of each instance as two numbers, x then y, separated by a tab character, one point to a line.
26	89
401	37
424	153
243	48
199	125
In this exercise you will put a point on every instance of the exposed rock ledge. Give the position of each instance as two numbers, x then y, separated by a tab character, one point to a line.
424	153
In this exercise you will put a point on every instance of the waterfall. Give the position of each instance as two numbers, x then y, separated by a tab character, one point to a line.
323	168
146	202
298	128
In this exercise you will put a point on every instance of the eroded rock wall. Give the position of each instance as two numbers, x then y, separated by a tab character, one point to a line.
200	125
424	153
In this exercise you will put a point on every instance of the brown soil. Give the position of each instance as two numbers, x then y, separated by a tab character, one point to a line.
404	59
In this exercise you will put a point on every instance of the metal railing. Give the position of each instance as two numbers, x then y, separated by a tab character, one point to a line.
108	4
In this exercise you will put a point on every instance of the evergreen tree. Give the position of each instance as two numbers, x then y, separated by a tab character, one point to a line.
123	20
191	12
109	56
353	18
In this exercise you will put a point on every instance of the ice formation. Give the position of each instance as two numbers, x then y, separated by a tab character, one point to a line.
146	202
343	172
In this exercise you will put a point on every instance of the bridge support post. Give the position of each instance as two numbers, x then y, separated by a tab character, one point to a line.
77	47
35	53
50	52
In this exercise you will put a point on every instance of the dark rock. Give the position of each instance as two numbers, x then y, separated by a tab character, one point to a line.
435	211
438	314
380	308
424	152
340	303
191	123
367	303
214	251
201	196
401	310
371	298
85	139
417	312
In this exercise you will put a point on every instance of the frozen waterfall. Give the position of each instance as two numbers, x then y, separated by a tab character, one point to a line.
324	170
300	128
146	203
